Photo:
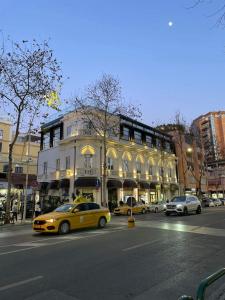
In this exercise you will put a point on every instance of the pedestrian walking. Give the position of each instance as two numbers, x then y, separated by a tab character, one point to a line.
14	212
37	209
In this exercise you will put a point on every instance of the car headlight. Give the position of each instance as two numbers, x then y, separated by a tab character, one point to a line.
179	205
50	220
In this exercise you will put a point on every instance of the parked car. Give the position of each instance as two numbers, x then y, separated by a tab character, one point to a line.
157	206
223	201
183	205
217	202
207	202
125	209
72	216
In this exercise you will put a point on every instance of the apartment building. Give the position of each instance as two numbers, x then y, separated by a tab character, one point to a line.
21	162
211	129
216	178
192	175
140	161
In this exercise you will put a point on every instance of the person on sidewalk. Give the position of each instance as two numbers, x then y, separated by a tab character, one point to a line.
37	209
14	212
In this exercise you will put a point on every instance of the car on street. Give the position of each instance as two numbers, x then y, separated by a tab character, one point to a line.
136	207
222	200
217	202
157	206
72	216
183	205
207	202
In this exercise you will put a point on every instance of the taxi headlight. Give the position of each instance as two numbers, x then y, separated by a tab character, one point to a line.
50	220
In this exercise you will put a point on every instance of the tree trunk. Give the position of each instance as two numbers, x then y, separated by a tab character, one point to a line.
104	190
8	201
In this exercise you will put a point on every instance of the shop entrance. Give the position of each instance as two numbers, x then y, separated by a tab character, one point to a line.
112	198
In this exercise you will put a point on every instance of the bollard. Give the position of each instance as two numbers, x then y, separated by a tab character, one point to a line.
131	222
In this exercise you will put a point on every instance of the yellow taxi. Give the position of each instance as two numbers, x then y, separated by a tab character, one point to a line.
72	216
125	209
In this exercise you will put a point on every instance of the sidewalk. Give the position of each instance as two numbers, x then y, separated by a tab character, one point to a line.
16	224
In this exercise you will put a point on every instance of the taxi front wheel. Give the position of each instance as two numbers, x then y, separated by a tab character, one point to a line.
64	228
101	222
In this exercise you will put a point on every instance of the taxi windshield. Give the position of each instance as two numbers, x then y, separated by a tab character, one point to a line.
65	208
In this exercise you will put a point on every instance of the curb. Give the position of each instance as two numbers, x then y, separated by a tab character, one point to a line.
2	226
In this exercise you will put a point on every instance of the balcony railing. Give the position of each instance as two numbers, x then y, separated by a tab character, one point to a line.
65	173
113	173
42	177
87	172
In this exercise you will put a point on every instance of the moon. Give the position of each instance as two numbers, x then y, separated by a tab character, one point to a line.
170	23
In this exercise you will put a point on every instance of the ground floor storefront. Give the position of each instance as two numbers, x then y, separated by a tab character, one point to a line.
56	192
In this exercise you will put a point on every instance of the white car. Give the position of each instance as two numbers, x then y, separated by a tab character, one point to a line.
157	206
217	202
182	205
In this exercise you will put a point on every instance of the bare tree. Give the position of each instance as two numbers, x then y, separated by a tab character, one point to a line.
216	10
29	79
102	106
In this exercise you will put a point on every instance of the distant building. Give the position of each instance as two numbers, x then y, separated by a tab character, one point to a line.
216	178
20	159
140	162
211	129
191	168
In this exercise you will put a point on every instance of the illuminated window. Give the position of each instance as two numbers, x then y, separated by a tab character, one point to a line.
138	167
88	161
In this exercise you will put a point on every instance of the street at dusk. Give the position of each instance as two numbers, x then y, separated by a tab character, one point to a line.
112	150
161	258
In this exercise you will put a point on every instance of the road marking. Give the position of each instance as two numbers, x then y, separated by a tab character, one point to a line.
15	284
140	245
184	228
30	244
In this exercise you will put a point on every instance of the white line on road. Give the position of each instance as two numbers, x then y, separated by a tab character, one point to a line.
15	284
140	245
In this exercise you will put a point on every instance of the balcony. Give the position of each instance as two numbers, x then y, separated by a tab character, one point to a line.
65	174
113	173
87	172
55	175
42	177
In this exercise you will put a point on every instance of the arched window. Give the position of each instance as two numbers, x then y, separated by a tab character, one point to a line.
139	163
126	158
88	152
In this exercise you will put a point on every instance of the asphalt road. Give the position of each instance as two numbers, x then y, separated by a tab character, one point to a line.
161	258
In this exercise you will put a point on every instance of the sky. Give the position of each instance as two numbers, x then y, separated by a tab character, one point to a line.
164	68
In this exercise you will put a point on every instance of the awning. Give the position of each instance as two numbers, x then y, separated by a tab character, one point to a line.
174	187
129	184
153	185
113	183
87	182
54	184
144	185
44	185
64	183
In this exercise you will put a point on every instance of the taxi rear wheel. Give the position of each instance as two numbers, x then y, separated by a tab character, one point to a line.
64	228
101	222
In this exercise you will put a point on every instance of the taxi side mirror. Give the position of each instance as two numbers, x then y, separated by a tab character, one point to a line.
75	210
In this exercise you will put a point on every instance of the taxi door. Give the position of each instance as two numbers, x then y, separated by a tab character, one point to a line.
82	217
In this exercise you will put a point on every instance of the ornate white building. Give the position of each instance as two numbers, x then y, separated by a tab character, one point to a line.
140	162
